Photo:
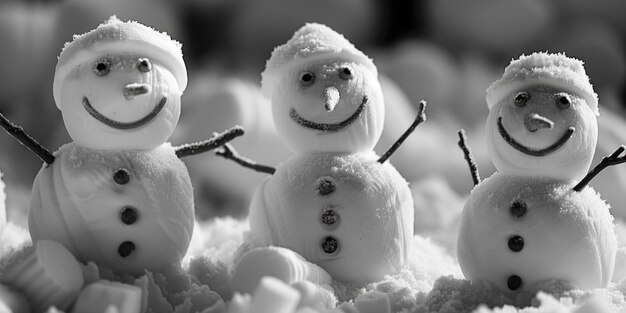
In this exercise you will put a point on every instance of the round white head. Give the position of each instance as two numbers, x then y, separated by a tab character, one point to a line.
325	93
542	119
119	86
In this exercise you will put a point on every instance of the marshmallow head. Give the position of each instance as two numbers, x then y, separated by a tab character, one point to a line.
325	93
119	86
537	127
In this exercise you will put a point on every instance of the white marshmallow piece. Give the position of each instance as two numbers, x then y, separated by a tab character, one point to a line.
48	275
105	295
274	296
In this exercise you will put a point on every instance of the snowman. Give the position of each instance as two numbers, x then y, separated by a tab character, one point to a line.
530	223
334	210
118	194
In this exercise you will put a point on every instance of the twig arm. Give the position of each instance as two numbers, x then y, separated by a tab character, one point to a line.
421	117
613	159
209	144
469	157
228	152
18	133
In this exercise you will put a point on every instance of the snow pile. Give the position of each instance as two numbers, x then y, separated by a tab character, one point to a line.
3	207
11	236
430	282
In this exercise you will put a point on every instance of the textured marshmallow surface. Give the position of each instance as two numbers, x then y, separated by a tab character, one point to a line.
536	229
86	201
544	68
348	214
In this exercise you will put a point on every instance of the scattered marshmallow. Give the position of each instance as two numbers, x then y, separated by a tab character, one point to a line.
101	296
48	275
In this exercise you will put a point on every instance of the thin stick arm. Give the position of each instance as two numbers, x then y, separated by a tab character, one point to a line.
25	139
469	157
421	117
207	145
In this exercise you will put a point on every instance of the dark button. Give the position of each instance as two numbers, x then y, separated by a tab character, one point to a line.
330	245
330	216
518	208
325	186
514	282
129	215
121	176
516	243
126	248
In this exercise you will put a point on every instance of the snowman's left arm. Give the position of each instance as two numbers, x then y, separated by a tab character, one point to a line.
469	158
228	152
207	145
613	159
421	117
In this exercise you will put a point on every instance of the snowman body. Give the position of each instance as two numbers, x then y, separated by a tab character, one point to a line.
128	210
519	231
347	213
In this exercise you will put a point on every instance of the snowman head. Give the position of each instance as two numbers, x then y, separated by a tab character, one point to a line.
119	86
542	119
325	93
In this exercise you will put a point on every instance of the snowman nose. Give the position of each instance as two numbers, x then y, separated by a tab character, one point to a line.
135	89
534	121
331	98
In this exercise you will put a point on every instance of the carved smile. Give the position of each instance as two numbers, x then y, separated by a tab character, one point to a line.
124	125
534	152
329	127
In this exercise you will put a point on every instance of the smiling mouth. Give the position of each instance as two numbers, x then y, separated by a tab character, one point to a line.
124	125
534	152
329	127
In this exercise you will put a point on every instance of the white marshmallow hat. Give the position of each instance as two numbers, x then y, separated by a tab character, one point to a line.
312	42
542	68
114	36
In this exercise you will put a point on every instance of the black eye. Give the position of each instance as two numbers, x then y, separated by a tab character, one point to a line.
144	65
306	79
562	100
102	67
521	98
345	73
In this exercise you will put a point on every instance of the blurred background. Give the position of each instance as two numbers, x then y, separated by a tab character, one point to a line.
446	52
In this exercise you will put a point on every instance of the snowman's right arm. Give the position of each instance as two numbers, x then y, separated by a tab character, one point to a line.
18	133
228	152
